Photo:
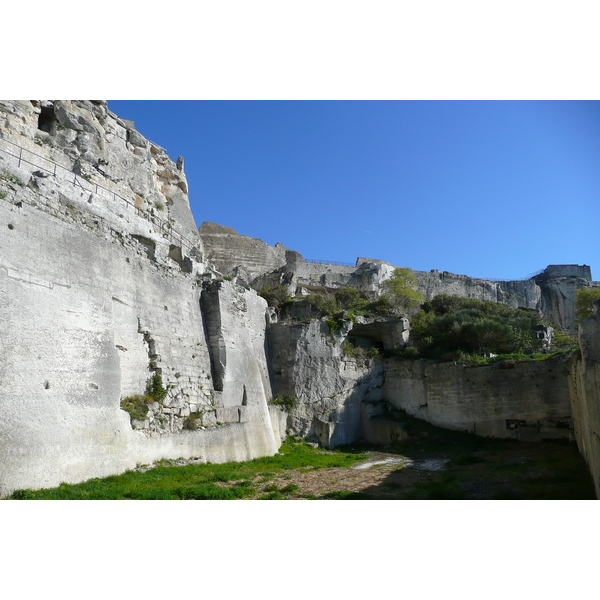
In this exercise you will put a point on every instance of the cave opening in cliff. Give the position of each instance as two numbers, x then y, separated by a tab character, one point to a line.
47	118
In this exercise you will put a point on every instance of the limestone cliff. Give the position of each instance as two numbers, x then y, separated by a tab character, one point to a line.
552	291
308	362
102	287
106	285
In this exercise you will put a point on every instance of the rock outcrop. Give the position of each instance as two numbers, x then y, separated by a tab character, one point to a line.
552	291
585	393
102	289
109	293
238	255
309	363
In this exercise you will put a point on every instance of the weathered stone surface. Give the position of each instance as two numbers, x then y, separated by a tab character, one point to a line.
308	363
87	139
92	304
239	255
558	300
585	394
104	283
529	400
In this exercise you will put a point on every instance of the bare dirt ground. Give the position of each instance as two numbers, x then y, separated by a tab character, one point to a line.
494	470
382	468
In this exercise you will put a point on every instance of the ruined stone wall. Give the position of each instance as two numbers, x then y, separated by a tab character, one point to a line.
527	400
239	255
553	271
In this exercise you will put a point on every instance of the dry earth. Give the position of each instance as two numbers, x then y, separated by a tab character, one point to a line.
511	470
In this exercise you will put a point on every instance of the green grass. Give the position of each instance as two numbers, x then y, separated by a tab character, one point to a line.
227	481
475	468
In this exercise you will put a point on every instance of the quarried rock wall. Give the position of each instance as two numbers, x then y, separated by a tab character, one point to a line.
308	362
527	400
239	255
585	394
84	322
96	298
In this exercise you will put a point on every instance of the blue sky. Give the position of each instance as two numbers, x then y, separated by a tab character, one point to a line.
482	188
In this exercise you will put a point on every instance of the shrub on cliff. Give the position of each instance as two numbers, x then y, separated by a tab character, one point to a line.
324	304
449	327
399	291
288	403
137	405
275	295
347	297
155	388
584	301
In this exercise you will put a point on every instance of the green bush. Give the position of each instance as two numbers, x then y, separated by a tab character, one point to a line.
275	295
563	340
453	328
358	352
193	421
406	352
335	325
155	388
286	402
584	301
324	304
136	406
347	297
399	290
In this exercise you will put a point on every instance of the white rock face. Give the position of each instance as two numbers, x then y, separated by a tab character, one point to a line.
239	255
309	363
97	294
104	285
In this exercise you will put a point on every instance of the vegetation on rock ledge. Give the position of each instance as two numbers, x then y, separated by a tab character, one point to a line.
137	405
584	302
455	328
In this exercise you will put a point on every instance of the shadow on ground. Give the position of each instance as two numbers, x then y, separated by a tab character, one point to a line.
449	465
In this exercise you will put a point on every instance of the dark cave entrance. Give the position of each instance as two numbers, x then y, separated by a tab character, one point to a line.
47	118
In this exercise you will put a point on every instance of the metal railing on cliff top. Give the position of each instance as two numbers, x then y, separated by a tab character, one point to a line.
323	261
174	237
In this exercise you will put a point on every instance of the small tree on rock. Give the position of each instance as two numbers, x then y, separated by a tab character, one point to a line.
399	291
584	301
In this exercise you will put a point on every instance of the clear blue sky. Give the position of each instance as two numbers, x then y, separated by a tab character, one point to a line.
482	188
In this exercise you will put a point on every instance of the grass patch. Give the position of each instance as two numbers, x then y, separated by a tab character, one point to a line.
475	468
227	481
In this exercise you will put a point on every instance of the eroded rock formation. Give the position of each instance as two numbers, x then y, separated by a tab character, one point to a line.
552	291
106	286
102	287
